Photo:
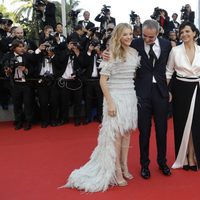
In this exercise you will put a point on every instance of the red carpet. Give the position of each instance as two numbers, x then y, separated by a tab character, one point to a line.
33	164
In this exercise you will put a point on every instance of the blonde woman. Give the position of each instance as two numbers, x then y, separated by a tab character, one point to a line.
108	162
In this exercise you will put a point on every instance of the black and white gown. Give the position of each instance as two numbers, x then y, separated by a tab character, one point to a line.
185	101
99	172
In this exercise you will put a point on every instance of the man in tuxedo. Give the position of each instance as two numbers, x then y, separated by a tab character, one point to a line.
152	93
86	23
18	66
173	24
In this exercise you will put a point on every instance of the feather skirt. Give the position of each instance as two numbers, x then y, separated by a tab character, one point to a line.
99	172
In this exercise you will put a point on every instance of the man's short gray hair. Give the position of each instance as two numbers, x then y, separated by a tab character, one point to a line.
151	24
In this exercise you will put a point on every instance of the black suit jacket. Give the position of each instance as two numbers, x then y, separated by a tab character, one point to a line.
145	73
171	26
89	25
50	15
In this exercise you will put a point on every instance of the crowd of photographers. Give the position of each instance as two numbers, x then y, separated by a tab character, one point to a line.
44	81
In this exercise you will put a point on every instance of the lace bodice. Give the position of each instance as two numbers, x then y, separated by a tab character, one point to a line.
121	73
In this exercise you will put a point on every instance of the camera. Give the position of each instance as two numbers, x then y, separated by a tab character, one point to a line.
94	42
105	9
94	29
12	64
156	13
183	9
74	14
184	15
133	17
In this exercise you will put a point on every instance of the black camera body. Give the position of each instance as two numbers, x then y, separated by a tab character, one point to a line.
13	63
184	15
156	13
133	17
183	9
94	42
105	9
74	14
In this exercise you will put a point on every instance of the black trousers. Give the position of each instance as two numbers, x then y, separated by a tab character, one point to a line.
93	92
71	94
5	92
155	107
48	100
22	95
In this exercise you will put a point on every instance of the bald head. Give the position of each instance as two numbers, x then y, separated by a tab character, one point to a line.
19	32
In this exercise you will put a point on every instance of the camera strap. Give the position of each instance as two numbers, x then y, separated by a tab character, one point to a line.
65	83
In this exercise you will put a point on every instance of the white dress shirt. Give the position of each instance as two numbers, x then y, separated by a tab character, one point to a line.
178	61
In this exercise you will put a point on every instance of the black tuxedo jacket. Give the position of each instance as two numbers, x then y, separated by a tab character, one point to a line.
27	60
145	73
89	25
171	26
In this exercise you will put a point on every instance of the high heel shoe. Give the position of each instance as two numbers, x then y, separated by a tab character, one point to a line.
126	174
121	183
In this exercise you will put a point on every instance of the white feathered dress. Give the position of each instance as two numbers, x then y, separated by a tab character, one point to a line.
99	172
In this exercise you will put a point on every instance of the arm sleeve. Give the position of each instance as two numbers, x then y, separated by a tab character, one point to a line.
170	64
105	68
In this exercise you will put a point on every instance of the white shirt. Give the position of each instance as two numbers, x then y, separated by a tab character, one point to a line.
46	68
156	49
69	70
178	61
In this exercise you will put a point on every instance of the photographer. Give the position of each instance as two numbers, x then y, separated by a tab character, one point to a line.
46	72
161	16
187	14
105	18
92	90
71	65
47	35
18	66
173	24
45	12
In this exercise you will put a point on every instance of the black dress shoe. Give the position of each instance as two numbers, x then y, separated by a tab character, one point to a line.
62	122
165	170
145	173
193	168
77	122
186	167
86	121
44	125
53	124
27	126
18	125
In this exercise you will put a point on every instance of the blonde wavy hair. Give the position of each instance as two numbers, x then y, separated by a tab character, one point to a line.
116	48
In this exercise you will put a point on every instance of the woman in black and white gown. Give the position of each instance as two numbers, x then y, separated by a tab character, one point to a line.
108	162
184	60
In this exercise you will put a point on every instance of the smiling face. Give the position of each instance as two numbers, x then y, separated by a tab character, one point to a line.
187	34
127	37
